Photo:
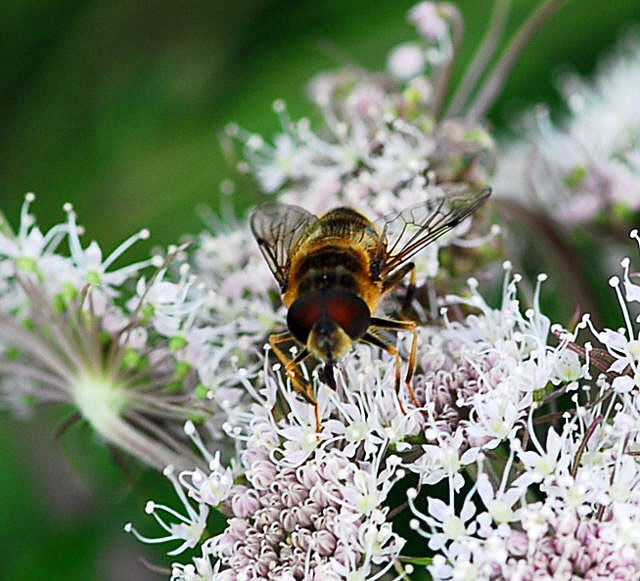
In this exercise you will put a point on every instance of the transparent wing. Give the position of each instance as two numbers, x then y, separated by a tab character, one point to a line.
277	228
413	229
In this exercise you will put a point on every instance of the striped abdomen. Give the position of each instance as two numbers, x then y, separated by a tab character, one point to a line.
335	255
330	267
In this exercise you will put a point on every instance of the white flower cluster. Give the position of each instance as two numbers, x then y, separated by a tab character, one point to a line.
307	506
481	378
134	347
565	506
240	308
203	323
531	490
73	330
587	167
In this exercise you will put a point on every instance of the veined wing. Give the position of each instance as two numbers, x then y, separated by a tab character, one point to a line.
277	228
413	229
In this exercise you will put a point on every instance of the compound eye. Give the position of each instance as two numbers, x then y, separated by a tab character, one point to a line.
302	315
349	311
343	307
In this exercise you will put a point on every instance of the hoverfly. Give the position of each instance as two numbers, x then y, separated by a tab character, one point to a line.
333	270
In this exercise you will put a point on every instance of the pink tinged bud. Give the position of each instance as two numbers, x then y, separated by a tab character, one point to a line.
287	475
249	457
304	517
265	516
267	556
261	474
299	557
517	543
326	518
274	533
237	529
243	556
294	495
341	528
428	21
276	487
251	550
406	61
245	504
301	539
270	500
289	519
262	567
307	475
223	545
344	554
309	510
332	490
317	495
324	542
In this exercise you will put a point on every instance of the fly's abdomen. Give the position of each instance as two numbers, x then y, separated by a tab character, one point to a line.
335	255
330	267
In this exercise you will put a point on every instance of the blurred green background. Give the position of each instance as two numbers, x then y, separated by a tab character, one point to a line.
117	106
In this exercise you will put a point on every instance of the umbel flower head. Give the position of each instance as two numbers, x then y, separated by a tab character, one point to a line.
382	133
68	332
304	504
586	168
320	519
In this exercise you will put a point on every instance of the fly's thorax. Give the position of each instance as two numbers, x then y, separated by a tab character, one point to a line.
342	227
344	223
327	322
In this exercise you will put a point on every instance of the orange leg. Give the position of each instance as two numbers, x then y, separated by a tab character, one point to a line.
396	278
292	370
411	368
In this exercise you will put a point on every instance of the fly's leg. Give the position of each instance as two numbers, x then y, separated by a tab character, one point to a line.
411	368
374	340
292	370
395	279
411	293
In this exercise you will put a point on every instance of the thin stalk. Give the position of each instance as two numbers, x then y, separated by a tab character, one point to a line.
92	329
32	372
398	509
66	424
498	75
444	78
481	60
30	343
583	445
548	418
